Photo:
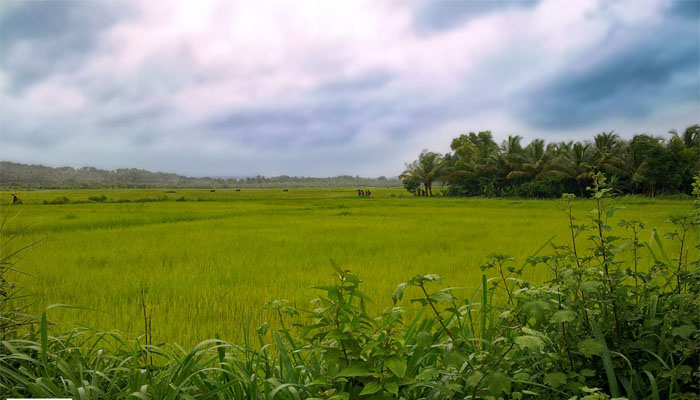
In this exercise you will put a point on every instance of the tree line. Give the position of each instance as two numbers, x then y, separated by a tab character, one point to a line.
23	176
478	166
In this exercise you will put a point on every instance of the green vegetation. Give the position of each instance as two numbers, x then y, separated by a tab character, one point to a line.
596	310
479	167
22	176
213	261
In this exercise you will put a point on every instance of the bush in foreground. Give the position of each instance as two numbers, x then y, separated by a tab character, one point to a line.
601	327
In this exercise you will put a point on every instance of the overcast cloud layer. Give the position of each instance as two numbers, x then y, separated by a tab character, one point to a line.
322	88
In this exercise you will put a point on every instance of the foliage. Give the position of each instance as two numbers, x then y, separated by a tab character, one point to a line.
428	168
600	325
645	164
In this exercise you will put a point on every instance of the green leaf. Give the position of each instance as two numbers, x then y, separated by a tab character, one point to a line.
370	388
536	309
427	374
684	331
340	396
454	359
354	370
442	297
335	267
563	316
555	379
530	342
392	387
422	302
652	322
474	378
587	372
396	365
398	293
337	334
656	239
521	376
590	347
432	278
498	383
590	286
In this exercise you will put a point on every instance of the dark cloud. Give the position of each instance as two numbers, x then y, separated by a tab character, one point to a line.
632	81
282	128
689	9
328	119
59	34
438	15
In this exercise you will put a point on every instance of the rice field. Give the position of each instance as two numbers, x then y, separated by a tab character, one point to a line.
207	260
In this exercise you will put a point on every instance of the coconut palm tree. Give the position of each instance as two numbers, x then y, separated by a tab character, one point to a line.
630	162
690	137
607	146
536	157
512	146
562	148
606	142
428	168
575	163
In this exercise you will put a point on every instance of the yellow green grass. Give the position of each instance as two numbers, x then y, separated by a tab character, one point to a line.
210	260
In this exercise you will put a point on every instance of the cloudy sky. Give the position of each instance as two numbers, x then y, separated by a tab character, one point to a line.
321	88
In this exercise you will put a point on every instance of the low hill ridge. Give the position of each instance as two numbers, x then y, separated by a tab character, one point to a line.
26	176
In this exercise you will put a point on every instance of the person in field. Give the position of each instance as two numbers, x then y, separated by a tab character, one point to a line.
360	192
368	192
15	199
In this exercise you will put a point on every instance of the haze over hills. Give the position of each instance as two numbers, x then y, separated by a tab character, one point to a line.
26	176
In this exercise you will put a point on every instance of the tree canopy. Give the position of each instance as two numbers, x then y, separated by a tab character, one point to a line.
478	166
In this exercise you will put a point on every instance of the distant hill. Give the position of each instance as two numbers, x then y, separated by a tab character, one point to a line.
13	175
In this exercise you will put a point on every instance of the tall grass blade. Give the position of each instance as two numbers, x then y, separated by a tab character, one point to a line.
607	361
44	333
654	387
484	305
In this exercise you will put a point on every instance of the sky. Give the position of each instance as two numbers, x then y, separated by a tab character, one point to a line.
323	88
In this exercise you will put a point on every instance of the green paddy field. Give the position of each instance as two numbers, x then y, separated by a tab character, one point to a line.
209	259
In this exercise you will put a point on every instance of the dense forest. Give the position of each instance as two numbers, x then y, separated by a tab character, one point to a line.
478	166
14	176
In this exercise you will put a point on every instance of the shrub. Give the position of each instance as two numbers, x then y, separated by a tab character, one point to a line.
540	189
60	200
97	199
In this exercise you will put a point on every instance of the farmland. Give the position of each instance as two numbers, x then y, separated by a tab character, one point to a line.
208	259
